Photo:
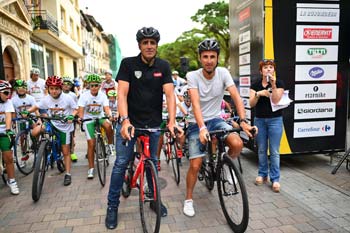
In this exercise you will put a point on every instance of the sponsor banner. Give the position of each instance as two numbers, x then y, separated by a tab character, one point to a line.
315	91
244	91
246	102
248	114
314	129
244	70
244	59
244	48
314	110
244	81
244	37
328	14
313	33
244	14
316	53
317	72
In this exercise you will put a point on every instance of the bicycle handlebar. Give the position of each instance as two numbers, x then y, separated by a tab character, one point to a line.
91	119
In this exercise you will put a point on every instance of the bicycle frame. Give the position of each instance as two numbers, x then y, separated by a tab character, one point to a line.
53	138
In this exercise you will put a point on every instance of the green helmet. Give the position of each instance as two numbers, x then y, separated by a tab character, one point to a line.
20	83
111	93
93	78
67	79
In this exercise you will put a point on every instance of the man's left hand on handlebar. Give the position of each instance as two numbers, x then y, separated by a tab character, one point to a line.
248	129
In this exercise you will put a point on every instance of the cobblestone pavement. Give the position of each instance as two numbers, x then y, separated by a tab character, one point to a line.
311	200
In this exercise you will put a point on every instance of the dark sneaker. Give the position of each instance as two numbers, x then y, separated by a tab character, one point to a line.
163	209
111	220
67	180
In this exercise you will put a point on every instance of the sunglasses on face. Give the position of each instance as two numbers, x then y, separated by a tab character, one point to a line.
5	92
94	85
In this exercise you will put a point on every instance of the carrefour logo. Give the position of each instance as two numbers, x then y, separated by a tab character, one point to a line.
326	128
317	52
316	72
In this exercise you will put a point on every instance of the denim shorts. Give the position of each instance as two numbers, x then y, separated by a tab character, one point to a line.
196	148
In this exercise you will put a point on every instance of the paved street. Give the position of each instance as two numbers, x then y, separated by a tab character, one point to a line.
311	200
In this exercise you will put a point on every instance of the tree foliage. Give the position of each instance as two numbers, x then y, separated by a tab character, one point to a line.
215	24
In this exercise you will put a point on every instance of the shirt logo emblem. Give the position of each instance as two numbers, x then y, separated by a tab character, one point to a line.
138	74
157	74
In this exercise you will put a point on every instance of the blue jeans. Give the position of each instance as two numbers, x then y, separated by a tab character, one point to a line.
270	132
124	154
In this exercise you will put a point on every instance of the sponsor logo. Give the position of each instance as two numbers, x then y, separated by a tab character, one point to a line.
317	52
309	13
314	92
138	74
244	14
314	110
317	33
157	74
316	72
244	81
315	95
314	129
326	128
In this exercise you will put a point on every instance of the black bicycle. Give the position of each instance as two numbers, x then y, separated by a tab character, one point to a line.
101	156
232	192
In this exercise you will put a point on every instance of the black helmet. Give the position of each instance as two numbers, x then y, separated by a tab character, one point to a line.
209	45
147	33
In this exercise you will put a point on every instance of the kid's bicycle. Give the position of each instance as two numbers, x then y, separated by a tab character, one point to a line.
149	190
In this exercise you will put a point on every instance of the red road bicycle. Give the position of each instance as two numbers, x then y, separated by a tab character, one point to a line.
173	153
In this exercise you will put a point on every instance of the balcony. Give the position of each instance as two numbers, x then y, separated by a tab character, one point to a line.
42	19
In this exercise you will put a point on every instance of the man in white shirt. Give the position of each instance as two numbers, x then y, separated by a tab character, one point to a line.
36	87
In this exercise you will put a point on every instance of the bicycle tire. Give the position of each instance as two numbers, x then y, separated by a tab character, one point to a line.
150	219
25	154
175	163
167	152
39	171
100	157
60	165
233	195
126	188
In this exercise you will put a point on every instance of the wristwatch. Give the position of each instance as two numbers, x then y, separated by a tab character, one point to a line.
243	120
123	118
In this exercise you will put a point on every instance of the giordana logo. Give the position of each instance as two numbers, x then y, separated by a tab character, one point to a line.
316	72
326	128
317	33
314	110
317	52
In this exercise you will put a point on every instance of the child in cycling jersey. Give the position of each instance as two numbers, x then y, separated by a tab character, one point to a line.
63	106
113	104
7	135
94	104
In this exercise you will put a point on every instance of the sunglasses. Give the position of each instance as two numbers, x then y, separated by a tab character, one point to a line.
268	60
5	92
94	85
67	83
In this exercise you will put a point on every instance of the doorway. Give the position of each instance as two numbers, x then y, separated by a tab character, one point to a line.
8	66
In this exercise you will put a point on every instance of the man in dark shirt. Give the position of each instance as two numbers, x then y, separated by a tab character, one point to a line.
141	83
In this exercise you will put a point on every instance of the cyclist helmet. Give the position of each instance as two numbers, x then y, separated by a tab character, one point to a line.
54	81
209	45
112	93
34	71
67	79
4	85
109	71
93	78
147	33
20	83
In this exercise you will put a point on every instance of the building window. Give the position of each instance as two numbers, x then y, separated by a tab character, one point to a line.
63	19
78	35
61	66
50	63
37	55
71	28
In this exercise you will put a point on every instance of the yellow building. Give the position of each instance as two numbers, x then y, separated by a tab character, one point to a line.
56	43
15	30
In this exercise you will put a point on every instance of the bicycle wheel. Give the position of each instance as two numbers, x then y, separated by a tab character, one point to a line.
206	172
126	188
233	195
25	151
39	171
175	163
149	193
100	157
167	152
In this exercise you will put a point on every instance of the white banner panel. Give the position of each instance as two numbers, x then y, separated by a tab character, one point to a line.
244	70
317	72
248	114
246	102
244	91
314	129
313	33
315	91
244	59
316	53
314	110
318	14
244	81
244	48
244	37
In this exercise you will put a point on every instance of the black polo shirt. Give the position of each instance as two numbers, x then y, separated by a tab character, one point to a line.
145	95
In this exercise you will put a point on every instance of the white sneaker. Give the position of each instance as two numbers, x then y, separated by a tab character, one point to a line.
90	173
228	176
13	186
188	208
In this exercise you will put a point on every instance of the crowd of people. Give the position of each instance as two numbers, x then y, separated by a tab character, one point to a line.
147	94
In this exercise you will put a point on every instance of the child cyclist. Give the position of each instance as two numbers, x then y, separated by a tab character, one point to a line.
113	104
94	104
67	88
7	135
60	105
